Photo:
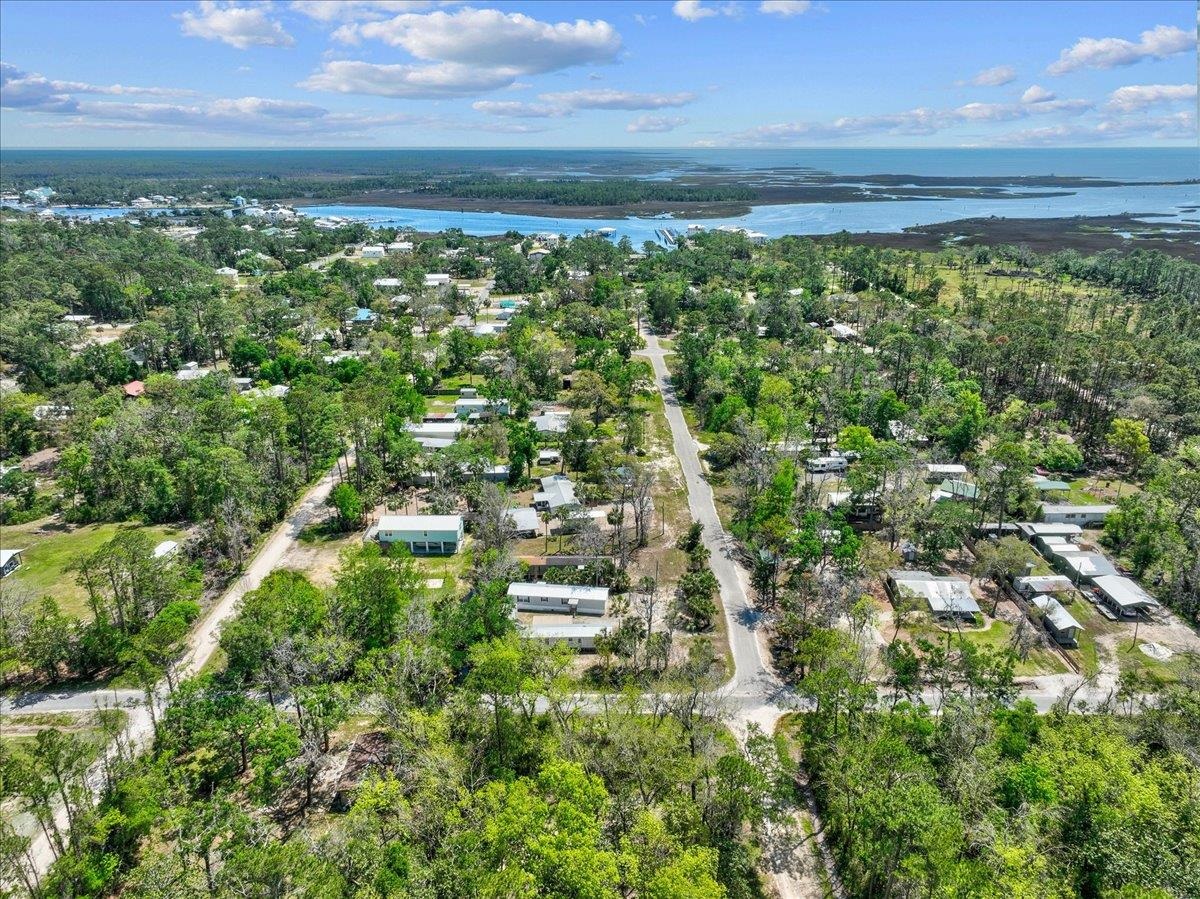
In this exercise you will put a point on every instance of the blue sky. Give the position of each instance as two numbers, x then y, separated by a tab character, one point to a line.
692	73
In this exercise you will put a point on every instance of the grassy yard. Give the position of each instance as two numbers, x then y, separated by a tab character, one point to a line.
996	636
50	548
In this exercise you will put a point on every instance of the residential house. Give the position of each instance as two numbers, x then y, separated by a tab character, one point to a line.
565	599
525	522
400	246
438	430
551	422
466	406
558	492
1031	585
937	472
960	491
424	535
1084	516
1059	623
1085	567
437	279
1124	596
577	635
947	598
10	561
1031	530
373	251
165	548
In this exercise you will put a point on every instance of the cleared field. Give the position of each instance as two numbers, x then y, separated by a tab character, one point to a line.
51	546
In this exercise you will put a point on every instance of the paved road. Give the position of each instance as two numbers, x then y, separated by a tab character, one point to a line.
203	641
755	691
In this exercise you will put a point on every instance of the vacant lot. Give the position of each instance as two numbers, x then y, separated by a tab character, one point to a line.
51	546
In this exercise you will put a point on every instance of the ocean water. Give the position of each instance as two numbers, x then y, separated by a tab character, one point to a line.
1138	166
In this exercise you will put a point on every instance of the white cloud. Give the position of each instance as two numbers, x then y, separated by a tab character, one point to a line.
988	112
238	26
695	10
1112	52
423	82
1035	93
919	121
340	10
488	38
785	8
995	76
463	53
614	99
285	121
517	109
1139	96
25	90
692	10
1179	126
655	124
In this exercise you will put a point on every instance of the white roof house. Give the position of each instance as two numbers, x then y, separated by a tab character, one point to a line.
558	491
1124	595
1058	621
581	635
400	246
1046	583
383	283
843	332
423	534
1032	529
10	561
1084	516
1085	566
559	598
551	422
548	457
524	521
946	597
442	430
942	471
373	251
166	548
437	279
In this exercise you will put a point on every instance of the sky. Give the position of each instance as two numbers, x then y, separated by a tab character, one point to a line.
689	73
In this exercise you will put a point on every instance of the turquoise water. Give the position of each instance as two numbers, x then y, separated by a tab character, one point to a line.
1167	201
1128	164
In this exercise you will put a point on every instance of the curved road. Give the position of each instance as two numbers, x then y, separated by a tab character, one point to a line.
201	645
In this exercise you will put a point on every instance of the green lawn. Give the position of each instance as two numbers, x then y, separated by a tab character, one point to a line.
997	636
50	548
